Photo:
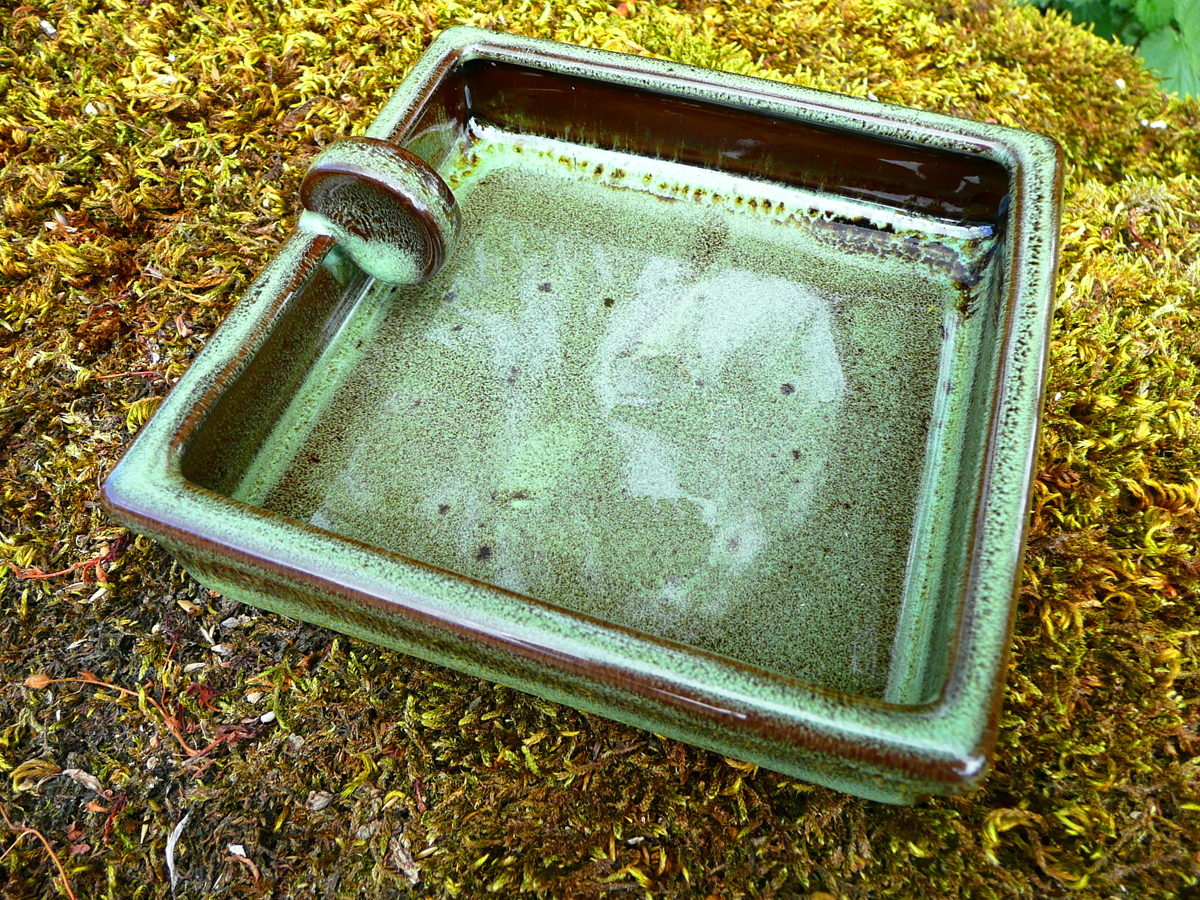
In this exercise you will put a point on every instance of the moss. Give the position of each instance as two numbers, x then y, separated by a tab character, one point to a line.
151	156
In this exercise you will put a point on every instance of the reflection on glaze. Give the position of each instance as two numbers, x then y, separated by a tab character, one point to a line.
711	349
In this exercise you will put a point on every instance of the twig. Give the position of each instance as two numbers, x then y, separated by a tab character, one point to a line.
1134	215
24	830
40	681
128	374
113	552
245	860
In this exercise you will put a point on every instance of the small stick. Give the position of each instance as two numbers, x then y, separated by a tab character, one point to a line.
34	573
40	681
127	374
45	843
1134	215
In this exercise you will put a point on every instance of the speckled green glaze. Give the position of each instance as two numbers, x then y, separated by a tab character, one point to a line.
388	210
652	413
739	460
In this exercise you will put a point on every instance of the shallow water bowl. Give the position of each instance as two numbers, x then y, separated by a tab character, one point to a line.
709	404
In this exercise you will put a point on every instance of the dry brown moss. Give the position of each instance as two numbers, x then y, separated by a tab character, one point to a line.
151	154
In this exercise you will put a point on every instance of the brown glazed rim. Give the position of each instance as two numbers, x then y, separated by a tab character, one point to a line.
886	763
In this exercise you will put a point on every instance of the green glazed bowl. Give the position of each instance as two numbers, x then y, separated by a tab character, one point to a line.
705	403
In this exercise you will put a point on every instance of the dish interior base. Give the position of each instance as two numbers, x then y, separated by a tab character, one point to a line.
686	403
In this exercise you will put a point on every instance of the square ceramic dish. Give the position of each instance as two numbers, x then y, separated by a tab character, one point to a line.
720	420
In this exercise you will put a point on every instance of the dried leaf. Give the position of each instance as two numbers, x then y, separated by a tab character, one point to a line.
172	842
403	861
88	780
318	800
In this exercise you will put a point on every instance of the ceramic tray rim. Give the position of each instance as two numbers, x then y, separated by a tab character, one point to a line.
939	747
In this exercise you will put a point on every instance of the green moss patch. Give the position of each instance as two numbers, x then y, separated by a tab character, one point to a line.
151	155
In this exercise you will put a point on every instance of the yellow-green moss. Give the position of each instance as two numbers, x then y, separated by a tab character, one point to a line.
151	155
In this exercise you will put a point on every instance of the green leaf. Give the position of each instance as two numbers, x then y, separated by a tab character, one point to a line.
1174	59
1189	30
1155	14
1105	18
1188	15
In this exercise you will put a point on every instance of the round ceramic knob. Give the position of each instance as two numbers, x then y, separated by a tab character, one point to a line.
393	214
